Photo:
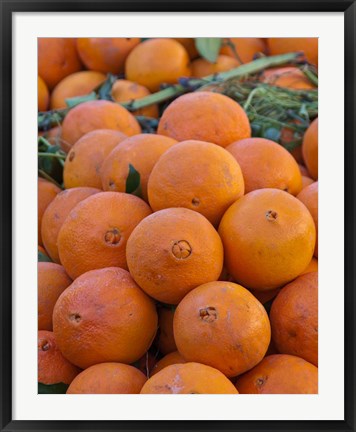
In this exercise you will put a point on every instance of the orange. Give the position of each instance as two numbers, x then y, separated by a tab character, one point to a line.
173	251
83	165
309	46
294	318
205	116
165	339
57	58
52	281
98	114
310	149
268	237
246	48
265	296
202	68
108	378
43	95
197	175
55	215
312	267
146	363
95	233
53	368
47	191
288	77
221	324
189	378
170	359
53	136
306	181
189	45
309	197
280	374
266	164
127	91
77	84
104	317
157	61
105	54
303	170
142	152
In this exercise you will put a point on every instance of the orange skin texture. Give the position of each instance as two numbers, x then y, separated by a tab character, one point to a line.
202	68
294	318
77	84
265	296
288	77
189	45
98	114
52	281
56	213
157	61
208	187
303	170
105	55
108	378
188	378
95	233
170	359
173	251
276	166
142	152
312	267
309	46
165	339
280	374
53	368
104	317
221	324
57	58
47	191
127	91
306	181
205	116
246	48
309	197
43	95
268	237
310	149
83	166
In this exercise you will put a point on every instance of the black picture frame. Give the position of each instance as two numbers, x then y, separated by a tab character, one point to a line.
7	9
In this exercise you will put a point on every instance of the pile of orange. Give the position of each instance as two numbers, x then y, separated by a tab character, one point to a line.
203	276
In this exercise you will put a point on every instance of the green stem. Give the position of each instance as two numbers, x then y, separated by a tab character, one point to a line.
49	178
231	45
311	77
53	155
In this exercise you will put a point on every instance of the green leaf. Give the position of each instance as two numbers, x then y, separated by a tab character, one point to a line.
133	181
72	102
272	134
208	48
43	257
104	91
59	388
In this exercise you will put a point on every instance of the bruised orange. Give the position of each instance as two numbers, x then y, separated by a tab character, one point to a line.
55	215
268	237
53	368
104	317
98	114
188	378
142	151
108	378
173	251
95	233
205	116
83	164
221	324
280	374
157	61
197	175
276	166
105	55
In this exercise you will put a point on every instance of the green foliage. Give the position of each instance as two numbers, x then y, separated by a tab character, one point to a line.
43	257
59	388
133	185
208	48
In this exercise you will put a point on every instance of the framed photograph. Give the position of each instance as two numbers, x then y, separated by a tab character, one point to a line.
163	160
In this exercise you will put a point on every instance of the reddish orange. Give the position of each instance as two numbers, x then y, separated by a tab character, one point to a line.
310	149
47	191
202	68
309	46
243	49
43	95
289	77
309	197
165	339
170	359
